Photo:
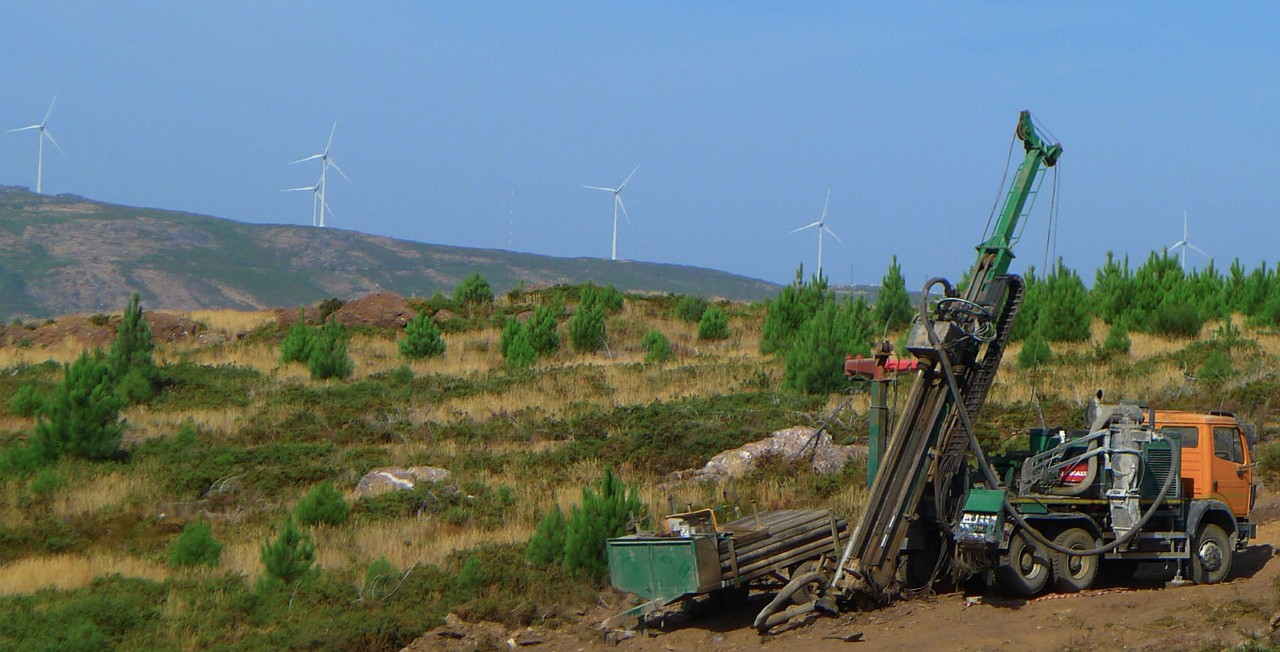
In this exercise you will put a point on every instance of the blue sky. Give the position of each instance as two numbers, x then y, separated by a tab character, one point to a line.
477	123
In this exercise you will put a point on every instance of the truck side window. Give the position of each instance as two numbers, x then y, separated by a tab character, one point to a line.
1189	435
1226	444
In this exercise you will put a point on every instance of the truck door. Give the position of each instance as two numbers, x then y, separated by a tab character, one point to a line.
1232	477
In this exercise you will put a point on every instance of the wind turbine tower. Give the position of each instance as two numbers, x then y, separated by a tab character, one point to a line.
1185	244
821	225
617	203
326	162
315	199
44	133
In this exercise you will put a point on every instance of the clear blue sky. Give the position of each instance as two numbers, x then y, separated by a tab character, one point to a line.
476	123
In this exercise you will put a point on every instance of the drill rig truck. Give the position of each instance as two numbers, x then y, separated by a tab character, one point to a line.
1135	484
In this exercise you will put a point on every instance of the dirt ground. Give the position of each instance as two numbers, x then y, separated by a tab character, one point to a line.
1139	614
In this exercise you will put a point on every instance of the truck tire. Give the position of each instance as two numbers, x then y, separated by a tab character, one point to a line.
1074	573
1026	570
1210	555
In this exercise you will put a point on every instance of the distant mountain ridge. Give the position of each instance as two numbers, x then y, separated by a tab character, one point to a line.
67	254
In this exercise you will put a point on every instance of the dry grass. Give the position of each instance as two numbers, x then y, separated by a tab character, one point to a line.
230	322
98	493
32	574
405	541
61	352
143	423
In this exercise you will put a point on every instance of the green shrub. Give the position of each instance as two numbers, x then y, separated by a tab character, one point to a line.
815	363
1117	342
1064	306
46	482
690	308
298	342
604	513
586	327
471	577
290	555
656	346
546	545
323	504
421	338
542	328
473	289
509	331
1268	454
714	325
1035	351
328	307
785	314
26	401
130	356
1216	367
520	353
328	358
893	305
195	546
81	416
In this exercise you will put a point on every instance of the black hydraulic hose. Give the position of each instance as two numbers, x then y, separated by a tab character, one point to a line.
989	474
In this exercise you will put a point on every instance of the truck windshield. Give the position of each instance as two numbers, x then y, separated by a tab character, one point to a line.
1189	435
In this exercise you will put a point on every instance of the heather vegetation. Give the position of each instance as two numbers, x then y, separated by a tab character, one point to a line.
210	501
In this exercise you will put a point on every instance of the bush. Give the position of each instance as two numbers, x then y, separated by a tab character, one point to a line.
1268	455
421	338
130	357
520	353
690	308
81	416
1117	342
542	328
586	327
1216	367
815	363
546	545
509	331
26	401
289	556
1035	351
714	325
195	546
893	305
328	358
656	346
473	289
603	514
323	504
298	342
328	307
795	305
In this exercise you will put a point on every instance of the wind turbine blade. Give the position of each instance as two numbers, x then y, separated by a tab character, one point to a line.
833	234
823	219
311	188
602	188
24	128
618	197
628	180
49	112
1177	244
333	165
330	143
1202	251
45	133
309	158
807	226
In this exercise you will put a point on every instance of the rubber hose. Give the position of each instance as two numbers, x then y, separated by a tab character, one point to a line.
784	596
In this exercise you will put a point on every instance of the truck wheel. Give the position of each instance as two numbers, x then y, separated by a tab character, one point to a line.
1026	570
1074	573
1210	555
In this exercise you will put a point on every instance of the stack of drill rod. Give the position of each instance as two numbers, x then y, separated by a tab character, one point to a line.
777	540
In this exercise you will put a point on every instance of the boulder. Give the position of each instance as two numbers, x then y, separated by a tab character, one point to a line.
391	478
789	444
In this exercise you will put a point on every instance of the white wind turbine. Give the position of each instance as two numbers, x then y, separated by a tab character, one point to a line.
315	199
44	133
1185	244
821	225
617	203
326	162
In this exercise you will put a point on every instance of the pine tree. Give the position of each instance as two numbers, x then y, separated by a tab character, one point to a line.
795	305
541	327
815	363
289	556
472	290
603	514
421	338
195	546
1035	351
1029	313
1064	312
690	308
656	346
328	357
323	504
893	305
714	325
130	358
298	342
510	329
81	416
520	353
546	545
1111	298
586	327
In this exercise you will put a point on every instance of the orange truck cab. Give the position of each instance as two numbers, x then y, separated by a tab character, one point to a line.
1217	463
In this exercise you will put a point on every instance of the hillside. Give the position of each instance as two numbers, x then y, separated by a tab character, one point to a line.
67	254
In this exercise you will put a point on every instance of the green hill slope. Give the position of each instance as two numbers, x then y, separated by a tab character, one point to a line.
67	254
